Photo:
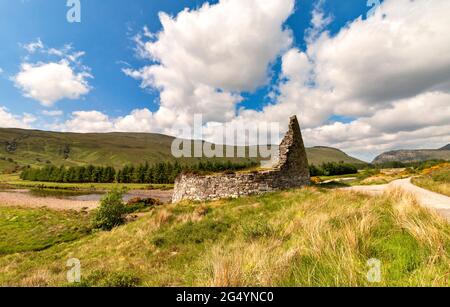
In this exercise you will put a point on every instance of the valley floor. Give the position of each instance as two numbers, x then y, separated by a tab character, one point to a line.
306	237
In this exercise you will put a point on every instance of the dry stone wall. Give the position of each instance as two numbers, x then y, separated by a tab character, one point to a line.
291	171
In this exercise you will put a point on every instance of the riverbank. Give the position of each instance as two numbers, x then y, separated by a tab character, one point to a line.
25	198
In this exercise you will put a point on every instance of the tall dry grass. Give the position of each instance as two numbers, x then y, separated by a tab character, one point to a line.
306	237
328	243
436	179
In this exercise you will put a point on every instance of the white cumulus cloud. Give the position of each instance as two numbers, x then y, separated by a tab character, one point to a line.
391	72
49	82
401	51
9	120
88	121
139	120
205	58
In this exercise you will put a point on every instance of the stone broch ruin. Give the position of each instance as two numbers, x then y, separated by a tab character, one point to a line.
291	172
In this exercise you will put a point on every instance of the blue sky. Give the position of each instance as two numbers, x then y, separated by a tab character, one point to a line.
105	34
107	37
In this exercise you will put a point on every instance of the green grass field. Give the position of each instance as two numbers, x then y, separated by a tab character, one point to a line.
305	237
26	230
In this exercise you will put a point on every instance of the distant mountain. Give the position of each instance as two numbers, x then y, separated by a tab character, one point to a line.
414	155
320	154
19	147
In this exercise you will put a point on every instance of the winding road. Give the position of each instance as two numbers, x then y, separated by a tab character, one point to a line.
428	199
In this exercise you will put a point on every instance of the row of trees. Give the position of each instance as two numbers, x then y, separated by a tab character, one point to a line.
160	173
79	174
333	169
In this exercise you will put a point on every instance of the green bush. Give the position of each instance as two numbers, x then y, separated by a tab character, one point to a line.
138	204
315	170
111	212
333	169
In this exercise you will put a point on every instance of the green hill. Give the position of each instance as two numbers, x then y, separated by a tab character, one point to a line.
414	155
37	148
320	154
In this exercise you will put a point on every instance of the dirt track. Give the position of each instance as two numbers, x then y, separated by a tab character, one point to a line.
428	199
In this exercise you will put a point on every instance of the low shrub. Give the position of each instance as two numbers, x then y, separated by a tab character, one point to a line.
332	169
139	204
102	278
111	212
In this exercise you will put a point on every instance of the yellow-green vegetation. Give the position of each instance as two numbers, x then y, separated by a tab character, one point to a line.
7	166
365	177
383	176
14	181
25	230
305	237
436	179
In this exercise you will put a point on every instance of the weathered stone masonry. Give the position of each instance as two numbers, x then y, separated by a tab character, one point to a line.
291	171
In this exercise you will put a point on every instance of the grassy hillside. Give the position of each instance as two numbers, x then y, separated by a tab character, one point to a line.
318	155
413	155
38	147
305	237
26	147
24	230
